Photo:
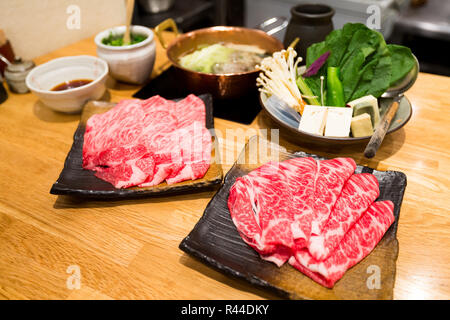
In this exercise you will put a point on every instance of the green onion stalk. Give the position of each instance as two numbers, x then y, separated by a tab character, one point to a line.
306	91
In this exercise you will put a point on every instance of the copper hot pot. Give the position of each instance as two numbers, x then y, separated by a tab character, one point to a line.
222	86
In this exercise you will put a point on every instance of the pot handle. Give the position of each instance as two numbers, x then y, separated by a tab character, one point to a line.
281	22
166	24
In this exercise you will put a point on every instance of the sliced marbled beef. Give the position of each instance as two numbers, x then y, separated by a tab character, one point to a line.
258	207
357	195
147	142
290	196
301	173
357	243
120	126
191	109
327	179
194	141
319	215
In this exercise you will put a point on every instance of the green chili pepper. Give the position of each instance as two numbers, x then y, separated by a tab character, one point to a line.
335	91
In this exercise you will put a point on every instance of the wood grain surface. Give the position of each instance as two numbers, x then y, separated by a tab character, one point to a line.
129	249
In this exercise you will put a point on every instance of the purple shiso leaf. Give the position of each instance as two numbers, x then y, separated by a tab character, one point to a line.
316	65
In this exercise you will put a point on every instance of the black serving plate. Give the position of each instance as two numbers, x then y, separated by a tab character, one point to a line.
216	241
74	180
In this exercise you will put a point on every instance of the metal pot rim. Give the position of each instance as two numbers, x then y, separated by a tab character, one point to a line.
181	37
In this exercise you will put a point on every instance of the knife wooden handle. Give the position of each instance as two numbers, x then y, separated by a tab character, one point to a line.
380	132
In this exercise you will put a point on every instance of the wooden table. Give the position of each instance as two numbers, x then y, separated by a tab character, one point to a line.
129	249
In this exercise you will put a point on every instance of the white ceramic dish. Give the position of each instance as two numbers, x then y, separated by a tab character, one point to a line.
46	76
132	63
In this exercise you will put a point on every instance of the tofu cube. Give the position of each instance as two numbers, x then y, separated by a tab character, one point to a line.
313	119
338	122
362	126
369	105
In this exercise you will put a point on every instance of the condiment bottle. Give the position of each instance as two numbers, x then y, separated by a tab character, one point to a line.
5	50
16	73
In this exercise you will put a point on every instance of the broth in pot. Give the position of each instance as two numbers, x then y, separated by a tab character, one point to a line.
223	58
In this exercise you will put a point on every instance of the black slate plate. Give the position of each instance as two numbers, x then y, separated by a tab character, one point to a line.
215	240
242	110
74	180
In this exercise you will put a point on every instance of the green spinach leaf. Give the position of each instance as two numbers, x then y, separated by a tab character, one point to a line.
367	64
402	62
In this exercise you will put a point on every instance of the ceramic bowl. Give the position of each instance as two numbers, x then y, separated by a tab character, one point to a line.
132	63
46	76
290	126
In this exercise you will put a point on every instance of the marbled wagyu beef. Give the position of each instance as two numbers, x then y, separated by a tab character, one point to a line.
318	215
146	142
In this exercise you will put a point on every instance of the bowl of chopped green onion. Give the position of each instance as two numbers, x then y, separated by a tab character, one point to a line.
128	62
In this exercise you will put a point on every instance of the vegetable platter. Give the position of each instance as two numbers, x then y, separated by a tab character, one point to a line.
337	95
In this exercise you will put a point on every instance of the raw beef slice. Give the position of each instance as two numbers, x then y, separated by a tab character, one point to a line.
192	110
300	173
271	198
125	166
128	173
176	144
158	135
195	144
329	178
357	243
158	103
110	146
357	195
147	142
120	126
258	206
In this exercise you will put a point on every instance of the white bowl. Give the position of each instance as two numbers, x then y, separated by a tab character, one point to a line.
132	63
46	76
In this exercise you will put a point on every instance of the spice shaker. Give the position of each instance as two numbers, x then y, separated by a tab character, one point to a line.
16	73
